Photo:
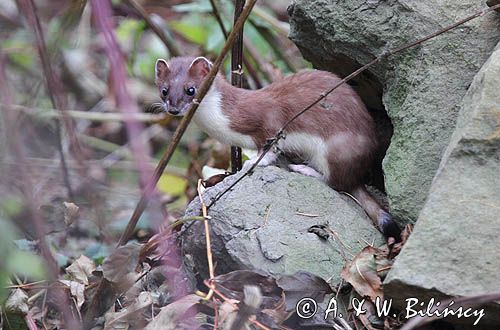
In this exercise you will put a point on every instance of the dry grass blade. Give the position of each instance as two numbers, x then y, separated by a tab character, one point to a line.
207	237
87	115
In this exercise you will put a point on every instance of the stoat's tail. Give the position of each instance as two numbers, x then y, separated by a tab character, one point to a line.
379	216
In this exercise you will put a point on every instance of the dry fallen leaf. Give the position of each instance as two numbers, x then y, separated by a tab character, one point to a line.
81	269
129	315
122	262
213	180
17	302
405	234
362	274
302	284
70	213
77	291
171	315
233	283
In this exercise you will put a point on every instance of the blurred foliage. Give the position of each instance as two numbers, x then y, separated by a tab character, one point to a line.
103	172
24	263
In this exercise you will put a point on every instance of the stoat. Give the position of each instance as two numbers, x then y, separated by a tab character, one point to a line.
335	139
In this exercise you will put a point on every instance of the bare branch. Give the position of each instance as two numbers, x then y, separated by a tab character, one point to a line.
237	78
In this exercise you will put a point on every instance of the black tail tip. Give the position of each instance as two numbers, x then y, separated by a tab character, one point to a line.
389	227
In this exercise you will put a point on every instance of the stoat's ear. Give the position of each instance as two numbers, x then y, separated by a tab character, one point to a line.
200	67
161	69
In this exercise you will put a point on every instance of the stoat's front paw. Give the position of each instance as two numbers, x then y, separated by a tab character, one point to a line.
305	170
268	159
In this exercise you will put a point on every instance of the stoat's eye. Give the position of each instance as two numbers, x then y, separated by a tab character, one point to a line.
190	91
164	92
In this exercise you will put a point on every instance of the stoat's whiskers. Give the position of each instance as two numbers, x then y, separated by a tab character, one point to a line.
156	107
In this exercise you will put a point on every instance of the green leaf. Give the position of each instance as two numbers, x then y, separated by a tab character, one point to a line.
25	263
215	40
172	185
127	31
20	42
11	206
15	322
179	158
193	32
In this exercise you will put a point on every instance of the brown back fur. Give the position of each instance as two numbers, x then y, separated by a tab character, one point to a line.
341	119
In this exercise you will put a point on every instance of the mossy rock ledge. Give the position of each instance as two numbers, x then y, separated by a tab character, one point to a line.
421	88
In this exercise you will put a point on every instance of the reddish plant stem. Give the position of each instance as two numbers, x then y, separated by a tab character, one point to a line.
54	89
102	13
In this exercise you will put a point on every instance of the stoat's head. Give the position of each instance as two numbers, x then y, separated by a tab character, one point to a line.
178	81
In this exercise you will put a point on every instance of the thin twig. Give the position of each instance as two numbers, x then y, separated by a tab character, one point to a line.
310	215
274	140
342	245
181	221
236	68
237	78
115	164
218	18
167	41
207	82
246	61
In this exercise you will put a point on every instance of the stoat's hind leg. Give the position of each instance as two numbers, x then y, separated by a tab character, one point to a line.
306	170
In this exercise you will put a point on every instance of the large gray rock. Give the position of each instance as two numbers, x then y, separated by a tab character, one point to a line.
258	226
422	87
454	248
